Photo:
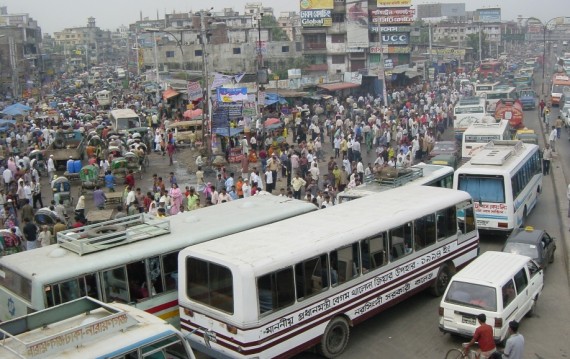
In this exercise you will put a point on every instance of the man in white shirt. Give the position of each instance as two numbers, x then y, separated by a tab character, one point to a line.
360	171
314	171
50	168
552	138
8	178
223	197
131	198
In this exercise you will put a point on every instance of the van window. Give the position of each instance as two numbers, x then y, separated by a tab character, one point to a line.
509	293
532	268
472	295
521	281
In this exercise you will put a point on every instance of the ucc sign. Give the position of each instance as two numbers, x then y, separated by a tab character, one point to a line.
396	39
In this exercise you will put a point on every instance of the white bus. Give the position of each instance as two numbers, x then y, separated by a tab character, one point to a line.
421	174
479	134
124	119
132	260
88	328
501	92
505	180
484	87
467	111
277	290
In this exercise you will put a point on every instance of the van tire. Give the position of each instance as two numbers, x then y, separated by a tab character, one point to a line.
442	280
335	338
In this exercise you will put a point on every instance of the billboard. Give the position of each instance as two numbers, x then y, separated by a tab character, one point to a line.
489	15
390	49
393	3
392	17
316	4
231	94
356	25
397	38
385	29
316	18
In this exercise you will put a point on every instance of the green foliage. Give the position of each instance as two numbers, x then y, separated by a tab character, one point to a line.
276	33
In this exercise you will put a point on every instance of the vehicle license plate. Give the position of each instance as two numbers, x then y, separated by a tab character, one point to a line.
468	320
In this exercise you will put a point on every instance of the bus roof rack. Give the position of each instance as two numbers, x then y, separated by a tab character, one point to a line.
64	326
393	177
496	153
110	234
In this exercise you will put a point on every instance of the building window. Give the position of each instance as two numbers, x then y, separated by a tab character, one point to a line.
237	50
197	52
337	17
337	39
284	48
337	59
169	53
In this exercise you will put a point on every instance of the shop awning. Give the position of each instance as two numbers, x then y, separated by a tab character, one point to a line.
169	93
337	86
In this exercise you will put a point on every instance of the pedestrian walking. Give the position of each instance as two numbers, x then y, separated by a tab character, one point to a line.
552	138
546	158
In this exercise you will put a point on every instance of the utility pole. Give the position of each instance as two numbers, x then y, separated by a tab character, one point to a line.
206	96
381	69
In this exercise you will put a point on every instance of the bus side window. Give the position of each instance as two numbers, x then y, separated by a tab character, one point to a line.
312	276
373	252
115	286
446	223
155	276
276	290
424	232
344	262
170	268
400	241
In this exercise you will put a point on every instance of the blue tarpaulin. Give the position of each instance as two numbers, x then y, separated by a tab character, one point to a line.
225	131
271	98
16	109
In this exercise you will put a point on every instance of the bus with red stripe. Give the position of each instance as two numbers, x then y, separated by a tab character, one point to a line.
131	260
280	289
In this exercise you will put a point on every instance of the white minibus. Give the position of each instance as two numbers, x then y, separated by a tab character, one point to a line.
503	286
479	134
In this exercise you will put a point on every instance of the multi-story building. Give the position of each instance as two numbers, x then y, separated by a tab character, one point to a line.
20	54
87	44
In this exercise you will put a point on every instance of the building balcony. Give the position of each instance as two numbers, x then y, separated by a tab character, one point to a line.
314	47
337	28
317	67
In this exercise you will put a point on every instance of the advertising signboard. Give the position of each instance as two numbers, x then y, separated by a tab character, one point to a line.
356	24
489	15
316	4
194	91
391	49
374	28
316	18
397	38
393	3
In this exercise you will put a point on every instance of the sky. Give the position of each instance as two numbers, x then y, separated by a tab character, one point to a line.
55	15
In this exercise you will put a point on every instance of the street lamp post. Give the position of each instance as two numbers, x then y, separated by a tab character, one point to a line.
544	28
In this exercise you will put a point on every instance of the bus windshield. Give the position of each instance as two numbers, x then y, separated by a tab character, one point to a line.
483	188
496	96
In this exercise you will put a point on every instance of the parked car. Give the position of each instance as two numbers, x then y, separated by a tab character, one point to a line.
445	148
534	243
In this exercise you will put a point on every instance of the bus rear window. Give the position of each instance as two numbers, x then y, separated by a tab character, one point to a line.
472	295
210	284
15	283
483	188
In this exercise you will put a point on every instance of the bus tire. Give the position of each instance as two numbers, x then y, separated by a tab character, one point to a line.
442	280
335	338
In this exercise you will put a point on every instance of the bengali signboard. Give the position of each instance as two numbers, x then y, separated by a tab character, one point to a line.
393	3
356	25
353	77
452	52
389	17
316	4
385	29
390	49
316	18
234	110
194	91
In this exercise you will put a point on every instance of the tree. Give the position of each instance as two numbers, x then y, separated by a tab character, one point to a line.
276	33
473	42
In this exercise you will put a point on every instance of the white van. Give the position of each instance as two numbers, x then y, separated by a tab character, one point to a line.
503	286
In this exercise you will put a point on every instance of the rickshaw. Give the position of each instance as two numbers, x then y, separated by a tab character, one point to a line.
133	163
45	217
141	150
119	168
115	151
62	190
89	176
10	243
37	161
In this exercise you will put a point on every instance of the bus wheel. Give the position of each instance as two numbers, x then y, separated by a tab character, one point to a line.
442	280
335	338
